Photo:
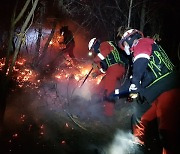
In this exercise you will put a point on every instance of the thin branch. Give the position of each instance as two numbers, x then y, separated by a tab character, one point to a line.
20	37
22	12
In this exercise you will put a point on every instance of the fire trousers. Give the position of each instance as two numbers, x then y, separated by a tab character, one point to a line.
166	109
108	84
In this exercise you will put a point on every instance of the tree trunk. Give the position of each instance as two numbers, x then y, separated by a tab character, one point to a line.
143	15
47	42
21	36
129	16
11	33
50	37
9	48
38	43
6	79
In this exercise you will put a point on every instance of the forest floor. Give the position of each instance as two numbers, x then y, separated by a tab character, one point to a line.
34	125
58	117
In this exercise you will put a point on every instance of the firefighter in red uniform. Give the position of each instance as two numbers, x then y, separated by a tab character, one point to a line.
155	85
108	58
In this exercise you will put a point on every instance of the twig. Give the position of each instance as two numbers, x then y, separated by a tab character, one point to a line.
71	117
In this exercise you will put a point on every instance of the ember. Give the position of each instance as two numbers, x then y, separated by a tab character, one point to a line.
23	75
63	142
15	135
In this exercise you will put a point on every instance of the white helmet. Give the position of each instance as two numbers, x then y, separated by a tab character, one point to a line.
91	43
129	32
127	36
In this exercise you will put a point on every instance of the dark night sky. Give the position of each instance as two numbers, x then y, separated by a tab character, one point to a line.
170	37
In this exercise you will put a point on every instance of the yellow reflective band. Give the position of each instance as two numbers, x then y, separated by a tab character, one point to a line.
159	79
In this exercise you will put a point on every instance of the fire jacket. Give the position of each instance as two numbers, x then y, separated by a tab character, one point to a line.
108	56
153	71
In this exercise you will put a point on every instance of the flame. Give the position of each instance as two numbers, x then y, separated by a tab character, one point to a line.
22	74
58	76
99	78
58	41
85	72
26	77
42	129
67	125
63	142
15	135
21	61
77	72
2	63
51	42
76	77
22	118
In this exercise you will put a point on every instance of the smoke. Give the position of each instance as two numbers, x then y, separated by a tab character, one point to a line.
84	91
122	143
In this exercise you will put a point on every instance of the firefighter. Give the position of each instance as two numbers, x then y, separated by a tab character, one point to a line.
155	86
110	62
67	40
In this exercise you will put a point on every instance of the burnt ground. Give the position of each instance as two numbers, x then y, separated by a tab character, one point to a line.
45	122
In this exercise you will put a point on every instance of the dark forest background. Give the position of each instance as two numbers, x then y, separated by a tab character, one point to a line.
102	18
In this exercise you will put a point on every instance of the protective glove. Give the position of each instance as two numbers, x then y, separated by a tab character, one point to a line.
133	91
133	88
117	94
94	65
113	96
133	95
94	75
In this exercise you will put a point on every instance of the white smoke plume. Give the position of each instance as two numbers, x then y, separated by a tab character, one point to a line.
122	143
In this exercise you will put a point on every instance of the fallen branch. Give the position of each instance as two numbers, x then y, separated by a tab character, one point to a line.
71	117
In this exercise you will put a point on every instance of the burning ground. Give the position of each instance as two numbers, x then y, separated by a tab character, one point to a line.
56	115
